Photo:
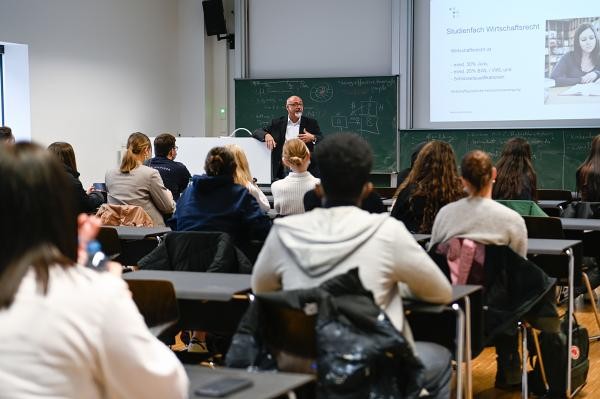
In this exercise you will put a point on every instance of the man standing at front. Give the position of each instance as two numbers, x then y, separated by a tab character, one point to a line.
302	251
293	125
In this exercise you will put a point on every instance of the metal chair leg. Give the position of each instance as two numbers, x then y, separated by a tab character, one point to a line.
524	356
590	292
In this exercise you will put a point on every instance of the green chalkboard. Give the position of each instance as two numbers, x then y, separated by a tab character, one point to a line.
364	105
556	152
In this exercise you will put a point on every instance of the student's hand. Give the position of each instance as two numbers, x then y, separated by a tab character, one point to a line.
270	141
114	268
307	136
91	189
589	77
88	227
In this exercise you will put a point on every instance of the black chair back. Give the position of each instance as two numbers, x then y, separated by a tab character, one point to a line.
290	330
544	227
109	239
157	303
554	265
557	195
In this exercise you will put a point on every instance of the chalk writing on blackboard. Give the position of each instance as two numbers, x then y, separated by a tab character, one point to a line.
363	105
321	93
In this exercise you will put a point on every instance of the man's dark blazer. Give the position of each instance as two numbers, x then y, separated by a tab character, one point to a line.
277	129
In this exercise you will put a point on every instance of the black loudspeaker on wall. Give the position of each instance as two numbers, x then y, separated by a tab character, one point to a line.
214	20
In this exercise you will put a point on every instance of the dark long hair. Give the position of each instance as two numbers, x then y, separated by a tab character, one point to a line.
64	152
41	217
588	174
515	171
595	55
435	177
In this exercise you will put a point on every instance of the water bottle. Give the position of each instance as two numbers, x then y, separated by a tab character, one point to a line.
96	258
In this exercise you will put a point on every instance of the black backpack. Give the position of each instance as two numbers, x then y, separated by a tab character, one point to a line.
554	354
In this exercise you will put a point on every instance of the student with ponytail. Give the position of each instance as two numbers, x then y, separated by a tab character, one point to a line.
478	217
214	202
288	193
483	220
136	184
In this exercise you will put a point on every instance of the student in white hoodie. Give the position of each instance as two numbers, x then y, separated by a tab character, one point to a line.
302	251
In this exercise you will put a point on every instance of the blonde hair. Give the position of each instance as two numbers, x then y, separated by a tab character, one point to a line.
295	152
242	173
137	143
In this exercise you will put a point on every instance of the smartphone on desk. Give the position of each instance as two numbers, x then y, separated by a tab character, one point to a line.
222	387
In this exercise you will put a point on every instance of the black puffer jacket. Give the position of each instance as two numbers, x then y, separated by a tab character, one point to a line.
197	251
514	288
359	352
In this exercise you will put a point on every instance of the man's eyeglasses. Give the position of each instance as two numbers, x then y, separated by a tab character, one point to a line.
295	104
175	147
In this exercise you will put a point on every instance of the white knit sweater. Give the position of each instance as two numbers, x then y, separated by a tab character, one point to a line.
288	193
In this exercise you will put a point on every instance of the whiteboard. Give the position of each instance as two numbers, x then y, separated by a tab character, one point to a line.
192	153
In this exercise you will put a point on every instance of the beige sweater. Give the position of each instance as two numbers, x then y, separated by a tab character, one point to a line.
483	220
144	187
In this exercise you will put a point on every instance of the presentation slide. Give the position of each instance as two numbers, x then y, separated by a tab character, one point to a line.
514	60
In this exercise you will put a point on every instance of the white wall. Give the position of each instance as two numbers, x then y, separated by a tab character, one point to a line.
16	90
100	70
319	38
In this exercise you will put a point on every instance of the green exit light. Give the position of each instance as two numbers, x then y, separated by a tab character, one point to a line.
222	110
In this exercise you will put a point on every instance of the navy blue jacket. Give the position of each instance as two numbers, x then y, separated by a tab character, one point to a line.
216	203
174	174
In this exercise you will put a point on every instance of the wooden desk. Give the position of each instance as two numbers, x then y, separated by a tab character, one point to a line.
540	246
550	203
139	233
213	302
580	224
420	315
197	285
265	385
136	242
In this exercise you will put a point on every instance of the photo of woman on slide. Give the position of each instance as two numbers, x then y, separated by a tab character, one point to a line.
582	64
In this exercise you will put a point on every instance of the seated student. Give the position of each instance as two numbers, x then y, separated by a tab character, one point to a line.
432	183
244	178
213	202
137	184
481	219
587	176
85	201
582	64
403	174
305	250
6	136
516	179
67	331
174	174
288	193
